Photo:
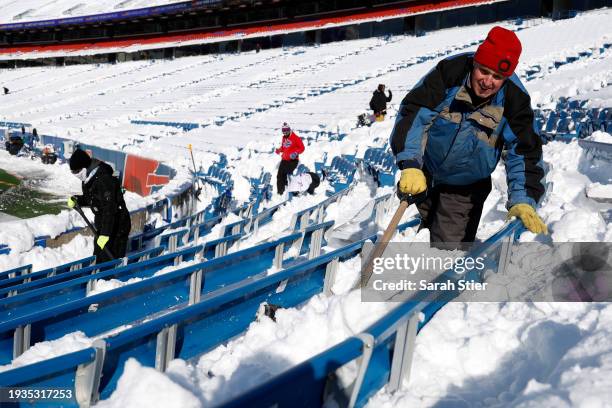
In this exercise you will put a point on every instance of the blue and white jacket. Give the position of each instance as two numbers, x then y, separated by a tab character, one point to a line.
439	129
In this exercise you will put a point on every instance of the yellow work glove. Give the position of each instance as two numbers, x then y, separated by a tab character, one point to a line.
102	241
412	181
71	202
530	218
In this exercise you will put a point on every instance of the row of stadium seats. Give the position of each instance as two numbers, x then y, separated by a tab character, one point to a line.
538	71
181	125
197	324
68	301
573	122
309	134
221	315
340	173
382	352
380	164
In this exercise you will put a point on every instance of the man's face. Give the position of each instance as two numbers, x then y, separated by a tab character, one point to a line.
485	82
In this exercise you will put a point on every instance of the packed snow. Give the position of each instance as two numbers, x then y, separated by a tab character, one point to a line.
104	285
48	349
600	137
494	354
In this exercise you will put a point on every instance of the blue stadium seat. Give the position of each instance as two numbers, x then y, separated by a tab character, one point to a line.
551	122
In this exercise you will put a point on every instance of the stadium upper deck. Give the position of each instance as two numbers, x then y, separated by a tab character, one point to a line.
36	10
111	29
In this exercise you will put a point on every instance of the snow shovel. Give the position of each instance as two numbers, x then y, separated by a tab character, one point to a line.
360	226
381	244
195	174
78	209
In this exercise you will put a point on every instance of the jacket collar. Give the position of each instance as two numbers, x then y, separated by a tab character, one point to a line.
489	113
92	170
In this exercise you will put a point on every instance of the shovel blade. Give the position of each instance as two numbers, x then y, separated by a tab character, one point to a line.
351	233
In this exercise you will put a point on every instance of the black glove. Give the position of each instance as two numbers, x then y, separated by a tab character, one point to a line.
410	198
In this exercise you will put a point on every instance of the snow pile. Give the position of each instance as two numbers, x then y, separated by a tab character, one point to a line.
601	137
513	354
42	258
146	387
48	349
104	285
598	190
566	209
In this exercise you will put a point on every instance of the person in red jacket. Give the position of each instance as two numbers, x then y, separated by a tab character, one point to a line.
291	148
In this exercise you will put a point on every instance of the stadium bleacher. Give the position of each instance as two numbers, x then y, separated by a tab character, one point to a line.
183	290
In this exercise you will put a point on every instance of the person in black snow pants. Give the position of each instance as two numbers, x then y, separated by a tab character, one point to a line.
378	103
102	193
291	148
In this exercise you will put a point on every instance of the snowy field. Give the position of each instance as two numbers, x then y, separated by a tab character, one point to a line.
470	354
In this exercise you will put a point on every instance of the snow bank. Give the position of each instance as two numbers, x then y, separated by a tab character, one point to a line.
599	191
42	258
48	349
146	387
513	354
600	136
104	285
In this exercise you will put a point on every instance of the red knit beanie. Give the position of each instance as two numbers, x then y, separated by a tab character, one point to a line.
500	51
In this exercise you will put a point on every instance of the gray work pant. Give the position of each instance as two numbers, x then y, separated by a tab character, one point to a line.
452	213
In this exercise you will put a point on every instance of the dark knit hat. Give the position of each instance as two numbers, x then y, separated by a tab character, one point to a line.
79	160
500	51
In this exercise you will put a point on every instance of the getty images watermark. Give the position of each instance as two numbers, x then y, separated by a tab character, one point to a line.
560	272
410	265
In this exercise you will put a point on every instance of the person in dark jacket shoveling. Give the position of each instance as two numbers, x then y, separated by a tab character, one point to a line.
103	194
378	103
449	135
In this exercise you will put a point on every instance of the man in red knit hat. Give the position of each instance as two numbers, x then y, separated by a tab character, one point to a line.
290	150
449	135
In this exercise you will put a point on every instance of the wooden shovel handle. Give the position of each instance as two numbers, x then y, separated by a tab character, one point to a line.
381	244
